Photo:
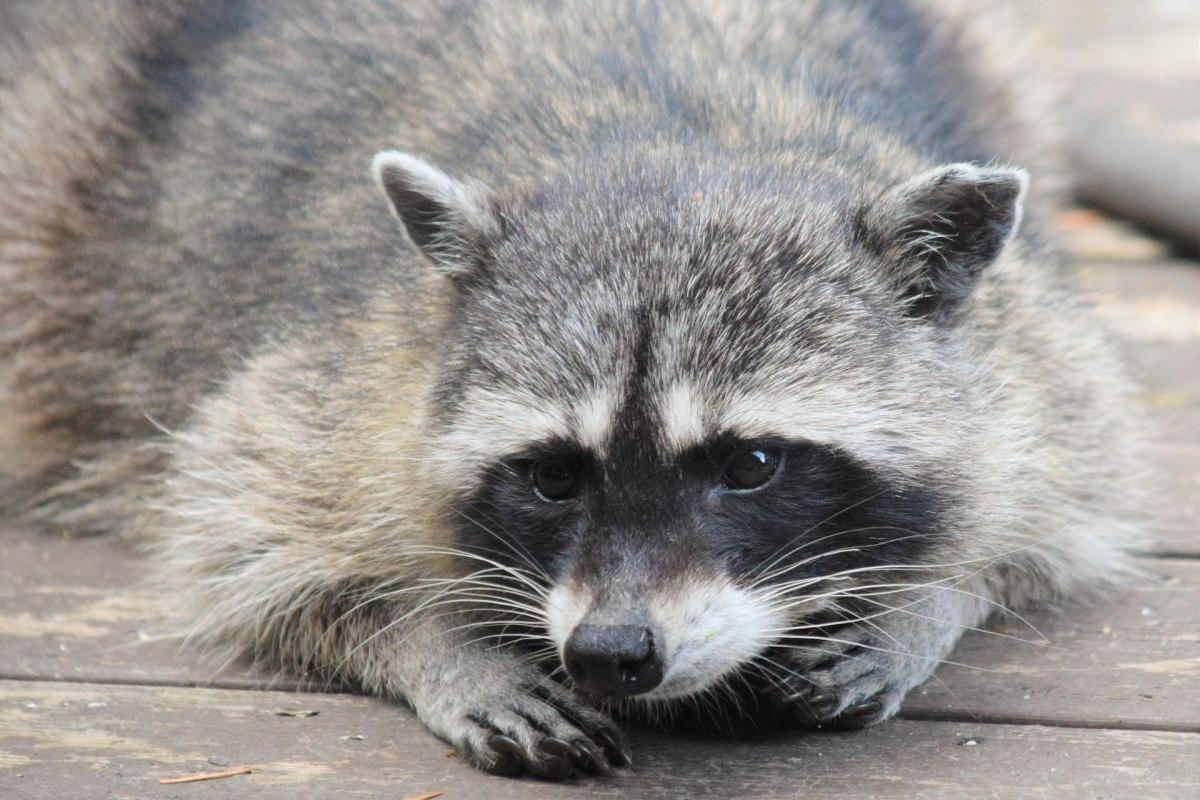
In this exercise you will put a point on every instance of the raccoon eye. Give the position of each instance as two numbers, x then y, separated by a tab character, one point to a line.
554	478
751	468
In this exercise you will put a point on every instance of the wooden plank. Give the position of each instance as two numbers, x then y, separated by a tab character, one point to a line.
1130	661
1130	66
73	740
67	614
1175	424
77	610
1155	310
1154	279
1175	501
1168	372
1154	306
1135	62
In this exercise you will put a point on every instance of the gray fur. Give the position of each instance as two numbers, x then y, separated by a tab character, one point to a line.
215	336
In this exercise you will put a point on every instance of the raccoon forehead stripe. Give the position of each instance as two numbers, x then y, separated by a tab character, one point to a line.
865	426
592	419
498	425
682	416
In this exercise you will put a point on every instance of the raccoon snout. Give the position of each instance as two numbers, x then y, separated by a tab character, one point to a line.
613	660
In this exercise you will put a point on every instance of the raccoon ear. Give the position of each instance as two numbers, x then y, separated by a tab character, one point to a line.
449	221
941	229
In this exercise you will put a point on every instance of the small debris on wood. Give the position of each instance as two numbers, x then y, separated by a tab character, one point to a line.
451	753
208	776
218	761
426	796
297	712
357	737
969	741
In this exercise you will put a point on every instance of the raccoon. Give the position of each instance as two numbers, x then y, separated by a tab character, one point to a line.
686	349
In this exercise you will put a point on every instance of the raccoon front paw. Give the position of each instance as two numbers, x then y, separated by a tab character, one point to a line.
540	730
859	685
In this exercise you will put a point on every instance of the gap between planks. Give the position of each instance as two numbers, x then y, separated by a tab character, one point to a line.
916	715
1163	555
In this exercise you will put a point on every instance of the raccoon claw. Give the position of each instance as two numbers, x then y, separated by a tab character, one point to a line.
864	710
838	711
814	707
861	687
549	758
590	759
507	759
544	733
615	747
863	715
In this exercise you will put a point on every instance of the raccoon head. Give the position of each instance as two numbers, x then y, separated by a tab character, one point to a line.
690	413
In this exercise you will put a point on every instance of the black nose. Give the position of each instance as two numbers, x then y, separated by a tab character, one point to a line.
614	660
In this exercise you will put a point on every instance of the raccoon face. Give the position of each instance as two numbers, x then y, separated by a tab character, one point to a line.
688	425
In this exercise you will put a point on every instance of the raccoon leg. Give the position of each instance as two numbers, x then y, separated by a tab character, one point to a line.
859	676
506	717
500	712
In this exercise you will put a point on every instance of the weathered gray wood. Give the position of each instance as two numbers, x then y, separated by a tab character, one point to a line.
1137	174
1132	67
88	740
1130	661
66	612
1154	306
1155	310
1176	426
75	610
1175	505
1155	278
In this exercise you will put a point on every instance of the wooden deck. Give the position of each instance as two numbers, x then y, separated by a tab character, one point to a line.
92	705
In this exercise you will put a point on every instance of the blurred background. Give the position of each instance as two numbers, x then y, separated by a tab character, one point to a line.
1132	111
1140	59
1132	104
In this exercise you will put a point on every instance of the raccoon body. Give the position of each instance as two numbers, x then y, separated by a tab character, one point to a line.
720	347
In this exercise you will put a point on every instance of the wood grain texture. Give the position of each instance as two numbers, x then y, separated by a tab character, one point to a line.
1175	507
1131	661
67	613
119	741
1154	307
78	610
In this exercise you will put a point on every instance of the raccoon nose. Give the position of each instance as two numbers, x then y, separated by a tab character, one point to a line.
613	660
